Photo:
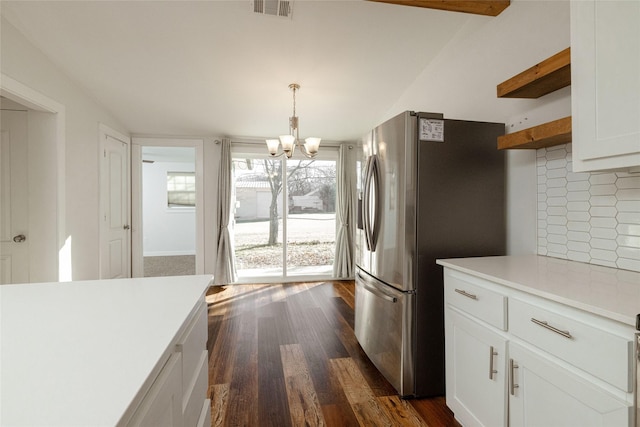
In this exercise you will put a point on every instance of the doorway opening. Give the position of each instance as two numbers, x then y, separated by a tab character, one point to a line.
169	211
167	225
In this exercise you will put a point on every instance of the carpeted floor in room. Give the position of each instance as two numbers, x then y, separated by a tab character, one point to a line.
179	265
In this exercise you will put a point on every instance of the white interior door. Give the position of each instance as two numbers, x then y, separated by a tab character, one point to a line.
115	253
14	219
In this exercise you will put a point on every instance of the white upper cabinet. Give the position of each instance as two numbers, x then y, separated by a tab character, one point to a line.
605	80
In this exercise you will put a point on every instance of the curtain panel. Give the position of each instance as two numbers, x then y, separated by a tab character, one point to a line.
343	264
225	271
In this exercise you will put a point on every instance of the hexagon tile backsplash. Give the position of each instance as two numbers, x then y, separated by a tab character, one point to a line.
591	217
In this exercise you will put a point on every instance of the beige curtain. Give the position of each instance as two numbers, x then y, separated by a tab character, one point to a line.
225	271
343	264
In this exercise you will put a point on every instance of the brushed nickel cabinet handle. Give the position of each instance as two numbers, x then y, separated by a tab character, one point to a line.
492	352
546	325
512	384
466	294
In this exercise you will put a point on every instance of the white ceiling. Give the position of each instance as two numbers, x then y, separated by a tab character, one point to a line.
217	68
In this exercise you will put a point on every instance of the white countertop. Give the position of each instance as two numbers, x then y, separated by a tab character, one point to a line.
77	353
605	291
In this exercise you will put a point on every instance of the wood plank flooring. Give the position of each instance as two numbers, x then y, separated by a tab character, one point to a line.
286	355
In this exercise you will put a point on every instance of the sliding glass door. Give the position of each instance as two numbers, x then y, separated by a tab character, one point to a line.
284	215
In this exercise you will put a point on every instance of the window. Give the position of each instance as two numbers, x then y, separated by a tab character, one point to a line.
181	189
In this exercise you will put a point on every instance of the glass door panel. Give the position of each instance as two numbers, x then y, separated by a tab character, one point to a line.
311	219
258	206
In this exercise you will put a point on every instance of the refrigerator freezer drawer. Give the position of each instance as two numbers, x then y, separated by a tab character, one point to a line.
382	328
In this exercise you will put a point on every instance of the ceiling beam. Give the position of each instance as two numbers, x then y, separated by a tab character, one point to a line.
478	7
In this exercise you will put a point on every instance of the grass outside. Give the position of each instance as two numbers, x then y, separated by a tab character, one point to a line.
311	242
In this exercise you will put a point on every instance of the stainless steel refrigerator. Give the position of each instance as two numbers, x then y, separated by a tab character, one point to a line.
428	188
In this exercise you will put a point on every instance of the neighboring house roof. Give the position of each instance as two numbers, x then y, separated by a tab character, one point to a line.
252	184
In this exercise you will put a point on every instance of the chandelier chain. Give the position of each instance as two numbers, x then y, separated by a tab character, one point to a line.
294	101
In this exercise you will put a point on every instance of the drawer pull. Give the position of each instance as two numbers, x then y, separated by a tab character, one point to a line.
492	352
466	294
546	325
512	375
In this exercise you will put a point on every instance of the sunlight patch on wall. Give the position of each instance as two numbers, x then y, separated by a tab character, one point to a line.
65	271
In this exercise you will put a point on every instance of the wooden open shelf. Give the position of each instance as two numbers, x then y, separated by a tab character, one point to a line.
545	135
549	75
478	7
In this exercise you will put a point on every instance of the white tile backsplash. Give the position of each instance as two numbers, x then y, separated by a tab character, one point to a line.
587	217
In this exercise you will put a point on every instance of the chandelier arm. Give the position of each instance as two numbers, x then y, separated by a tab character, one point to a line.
277	155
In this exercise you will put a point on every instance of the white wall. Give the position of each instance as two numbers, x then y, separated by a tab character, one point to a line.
42	198
166	231
28	65
461	83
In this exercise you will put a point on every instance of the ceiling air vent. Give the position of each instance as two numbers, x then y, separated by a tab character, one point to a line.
280	8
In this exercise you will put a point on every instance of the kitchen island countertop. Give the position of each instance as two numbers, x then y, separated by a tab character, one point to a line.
81	353
609	292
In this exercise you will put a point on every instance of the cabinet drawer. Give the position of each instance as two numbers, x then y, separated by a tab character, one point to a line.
586	346
205	414
161	405
483	303
196	394
191	344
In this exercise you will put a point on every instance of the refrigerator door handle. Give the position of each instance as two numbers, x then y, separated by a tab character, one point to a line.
375	176
366	220
377	292
372	204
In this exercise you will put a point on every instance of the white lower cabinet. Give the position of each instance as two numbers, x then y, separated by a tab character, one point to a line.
476	375
542	393
177	396
534	363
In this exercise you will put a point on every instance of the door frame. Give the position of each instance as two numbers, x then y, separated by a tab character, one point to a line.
137	261
105	131
32	99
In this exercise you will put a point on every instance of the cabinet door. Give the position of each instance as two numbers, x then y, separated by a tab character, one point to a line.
475	370
605	81
162	406
542	393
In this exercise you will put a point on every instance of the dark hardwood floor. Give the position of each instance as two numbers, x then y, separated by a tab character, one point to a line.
286	355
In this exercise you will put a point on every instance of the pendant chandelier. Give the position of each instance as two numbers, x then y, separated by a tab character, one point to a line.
290	141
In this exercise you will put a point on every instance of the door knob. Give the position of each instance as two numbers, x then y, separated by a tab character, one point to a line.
126	227
19	238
